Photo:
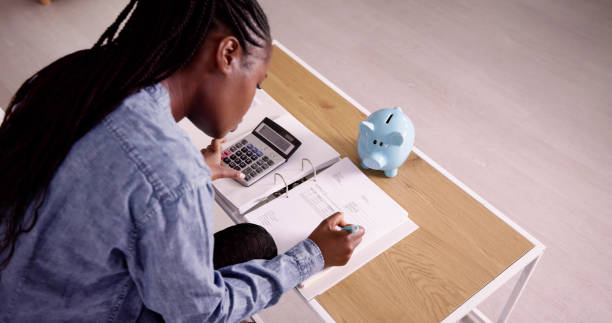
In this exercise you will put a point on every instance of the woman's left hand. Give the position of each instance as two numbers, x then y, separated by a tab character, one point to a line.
212	157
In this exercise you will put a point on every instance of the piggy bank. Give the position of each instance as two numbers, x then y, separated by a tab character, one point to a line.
385	140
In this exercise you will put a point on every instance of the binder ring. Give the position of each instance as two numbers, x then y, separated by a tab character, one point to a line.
314	170
286	187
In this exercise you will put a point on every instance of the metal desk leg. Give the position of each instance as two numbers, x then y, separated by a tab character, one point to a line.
477	316
518	289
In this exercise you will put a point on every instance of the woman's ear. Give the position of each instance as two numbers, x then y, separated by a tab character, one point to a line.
228	54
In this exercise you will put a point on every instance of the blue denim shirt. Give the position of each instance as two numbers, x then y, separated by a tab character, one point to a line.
126	232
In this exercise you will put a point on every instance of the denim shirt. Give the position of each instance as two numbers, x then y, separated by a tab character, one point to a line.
126	234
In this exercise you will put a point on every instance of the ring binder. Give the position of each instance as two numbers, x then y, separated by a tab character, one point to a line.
286	187
314	170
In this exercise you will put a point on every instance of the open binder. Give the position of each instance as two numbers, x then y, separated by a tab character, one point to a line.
312	185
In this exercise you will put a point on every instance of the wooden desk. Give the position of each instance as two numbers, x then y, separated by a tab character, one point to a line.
464	249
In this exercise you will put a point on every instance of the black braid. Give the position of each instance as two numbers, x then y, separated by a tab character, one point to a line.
63	101
110	32
241	34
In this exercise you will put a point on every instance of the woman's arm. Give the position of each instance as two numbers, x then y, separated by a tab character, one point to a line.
171	264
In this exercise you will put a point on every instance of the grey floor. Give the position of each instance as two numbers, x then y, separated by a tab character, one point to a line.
512	97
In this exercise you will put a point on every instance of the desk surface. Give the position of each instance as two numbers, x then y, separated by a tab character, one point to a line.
460	247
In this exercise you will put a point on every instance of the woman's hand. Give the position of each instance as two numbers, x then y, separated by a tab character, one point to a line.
336	245
212	157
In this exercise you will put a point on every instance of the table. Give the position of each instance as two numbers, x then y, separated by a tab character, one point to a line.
464	250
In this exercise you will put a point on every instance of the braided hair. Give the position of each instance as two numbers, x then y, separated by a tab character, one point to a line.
63	101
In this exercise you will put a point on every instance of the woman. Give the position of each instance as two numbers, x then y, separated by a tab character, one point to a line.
106	207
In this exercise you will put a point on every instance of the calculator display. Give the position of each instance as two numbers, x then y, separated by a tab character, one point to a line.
274	138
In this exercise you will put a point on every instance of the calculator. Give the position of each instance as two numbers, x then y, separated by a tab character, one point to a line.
260	152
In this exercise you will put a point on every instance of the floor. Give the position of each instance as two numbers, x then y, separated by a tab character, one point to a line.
512	97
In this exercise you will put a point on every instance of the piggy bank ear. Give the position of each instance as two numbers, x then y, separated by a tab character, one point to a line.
366	126
395	138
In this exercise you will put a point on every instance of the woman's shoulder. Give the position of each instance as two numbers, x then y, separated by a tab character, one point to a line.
144	129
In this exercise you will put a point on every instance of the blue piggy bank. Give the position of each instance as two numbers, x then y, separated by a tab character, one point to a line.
385	140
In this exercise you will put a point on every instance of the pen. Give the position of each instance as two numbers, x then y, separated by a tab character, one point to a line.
351	228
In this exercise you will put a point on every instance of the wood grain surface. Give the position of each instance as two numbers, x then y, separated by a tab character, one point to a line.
459	247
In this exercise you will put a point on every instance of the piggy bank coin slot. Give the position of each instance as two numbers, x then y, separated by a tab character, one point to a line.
389	118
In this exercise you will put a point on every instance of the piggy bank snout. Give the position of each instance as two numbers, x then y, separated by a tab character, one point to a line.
375	161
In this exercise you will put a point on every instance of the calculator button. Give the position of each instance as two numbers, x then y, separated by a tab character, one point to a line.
258	170
250	146
239	153
246	170
232	149
226	160
243	141
270	162
253	174
259	153
232	164
247	177
237	167
242	164
265	158
233	157
264	166
254	157
248	161
244	149
259	162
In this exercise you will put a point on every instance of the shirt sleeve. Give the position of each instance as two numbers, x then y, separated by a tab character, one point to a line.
172	266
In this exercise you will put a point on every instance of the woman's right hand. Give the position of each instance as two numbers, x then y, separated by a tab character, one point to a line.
336	245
